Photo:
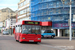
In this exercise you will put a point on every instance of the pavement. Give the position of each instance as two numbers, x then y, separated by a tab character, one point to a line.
7	35
63	44
7	42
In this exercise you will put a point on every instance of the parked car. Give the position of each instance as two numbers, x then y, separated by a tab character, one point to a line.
5	33
48	34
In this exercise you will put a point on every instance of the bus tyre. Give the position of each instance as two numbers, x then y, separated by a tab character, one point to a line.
19	41
36	42
52	37
16	38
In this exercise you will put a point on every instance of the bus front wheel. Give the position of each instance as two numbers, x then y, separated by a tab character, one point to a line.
16	39
19	41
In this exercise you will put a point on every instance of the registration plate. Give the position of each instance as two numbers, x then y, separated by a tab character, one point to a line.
31	40
47	36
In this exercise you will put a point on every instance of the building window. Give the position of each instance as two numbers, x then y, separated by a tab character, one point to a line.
3	10
54	11
73	3
25	10
54	4
73	11
42	0
28	9
21	4
18	13
59	3
24	2
27	1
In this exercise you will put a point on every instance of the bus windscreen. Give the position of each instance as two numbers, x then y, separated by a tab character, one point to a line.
30	29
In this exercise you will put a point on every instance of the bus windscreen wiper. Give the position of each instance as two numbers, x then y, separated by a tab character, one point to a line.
36	33
26	33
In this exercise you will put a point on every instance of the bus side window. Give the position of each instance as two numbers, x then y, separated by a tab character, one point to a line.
20	28
16	28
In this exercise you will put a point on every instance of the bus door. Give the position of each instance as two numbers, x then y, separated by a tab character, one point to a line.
18	31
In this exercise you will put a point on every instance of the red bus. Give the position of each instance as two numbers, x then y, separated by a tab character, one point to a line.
28	31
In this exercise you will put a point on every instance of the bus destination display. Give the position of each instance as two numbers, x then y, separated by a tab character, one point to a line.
29	22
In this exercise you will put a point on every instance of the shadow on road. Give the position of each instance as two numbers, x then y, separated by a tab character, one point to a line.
35	43
29	43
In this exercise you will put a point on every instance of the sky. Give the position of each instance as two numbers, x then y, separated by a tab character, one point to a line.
13	4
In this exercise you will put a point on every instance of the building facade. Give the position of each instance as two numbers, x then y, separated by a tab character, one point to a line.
23	10
55	11
10	22
6	13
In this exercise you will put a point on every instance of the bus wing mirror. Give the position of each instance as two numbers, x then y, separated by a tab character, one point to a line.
20	31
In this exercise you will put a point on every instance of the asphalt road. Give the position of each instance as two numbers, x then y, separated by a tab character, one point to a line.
9	43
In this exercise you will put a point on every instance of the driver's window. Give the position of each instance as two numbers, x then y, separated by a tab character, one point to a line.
24	29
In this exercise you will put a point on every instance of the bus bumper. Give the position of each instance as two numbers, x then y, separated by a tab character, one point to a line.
22	40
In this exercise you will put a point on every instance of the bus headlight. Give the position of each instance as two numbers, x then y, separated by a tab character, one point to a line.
23	38
39	38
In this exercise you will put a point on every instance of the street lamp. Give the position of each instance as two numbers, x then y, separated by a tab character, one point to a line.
70	27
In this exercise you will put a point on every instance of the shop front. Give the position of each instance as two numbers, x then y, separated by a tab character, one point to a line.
66	33
62	29
46	25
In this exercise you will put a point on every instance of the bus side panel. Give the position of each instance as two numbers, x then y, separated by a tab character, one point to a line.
19	36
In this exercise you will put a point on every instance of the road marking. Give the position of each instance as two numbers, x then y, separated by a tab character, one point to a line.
52	46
